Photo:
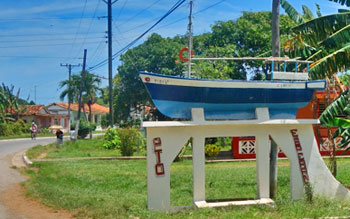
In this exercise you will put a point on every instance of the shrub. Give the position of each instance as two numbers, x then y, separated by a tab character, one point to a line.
44	131
93	126
84	128
17	127
212	150
130	140
111	139
5	129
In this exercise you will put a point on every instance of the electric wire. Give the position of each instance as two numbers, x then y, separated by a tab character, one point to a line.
172	9
43	34
44	45
82	15
43	40
140	12
88	30
183	18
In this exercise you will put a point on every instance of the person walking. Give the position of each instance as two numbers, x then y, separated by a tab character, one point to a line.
33	130
59	135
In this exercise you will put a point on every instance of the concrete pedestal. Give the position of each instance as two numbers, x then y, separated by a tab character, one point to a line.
165	140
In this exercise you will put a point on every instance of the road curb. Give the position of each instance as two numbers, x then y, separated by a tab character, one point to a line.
26	159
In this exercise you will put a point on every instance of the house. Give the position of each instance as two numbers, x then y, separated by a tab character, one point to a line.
61	108
41	116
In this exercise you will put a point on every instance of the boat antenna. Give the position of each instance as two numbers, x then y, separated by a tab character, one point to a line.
190	29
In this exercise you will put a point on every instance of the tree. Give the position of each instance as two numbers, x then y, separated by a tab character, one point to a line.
157	55
8	103
71	88
331	117
90	88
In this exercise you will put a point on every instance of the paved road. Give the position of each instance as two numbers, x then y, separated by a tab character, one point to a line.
9	176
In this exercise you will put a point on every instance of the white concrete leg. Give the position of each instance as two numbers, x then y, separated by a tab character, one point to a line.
198	159
262	165
296	181
158	187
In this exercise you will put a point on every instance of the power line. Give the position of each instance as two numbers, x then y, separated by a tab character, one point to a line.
200	11
42	34
88	30
172	9
38	57
42	18
140	12
43	45
43	40
82	14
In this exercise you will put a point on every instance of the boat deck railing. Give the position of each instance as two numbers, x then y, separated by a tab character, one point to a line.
273	74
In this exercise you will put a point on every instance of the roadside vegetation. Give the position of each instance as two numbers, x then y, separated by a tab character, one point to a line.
118	189
116	142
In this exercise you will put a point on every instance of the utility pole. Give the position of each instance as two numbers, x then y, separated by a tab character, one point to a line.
190	29
110	67
69	66
80	94
275	29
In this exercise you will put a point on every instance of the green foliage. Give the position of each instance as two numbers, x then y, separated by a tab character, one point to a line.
8	103
44	131
111	139
105	120
211	150
323	40
130	140
309	192
329	117
342	2
292	12
14	128
84	128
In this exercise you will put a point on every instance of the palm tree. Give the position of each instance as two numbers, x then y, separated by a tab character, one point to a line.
90	88
72	91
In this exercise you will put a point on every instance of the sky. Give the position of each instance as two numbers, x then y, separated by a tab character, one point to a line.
36	37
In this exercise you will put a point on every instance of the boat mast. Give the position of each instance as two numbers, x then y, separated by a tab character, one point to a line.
190	28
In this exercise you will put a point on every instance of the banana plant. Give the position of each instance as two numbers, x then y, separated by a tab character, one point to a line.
330	117
322	39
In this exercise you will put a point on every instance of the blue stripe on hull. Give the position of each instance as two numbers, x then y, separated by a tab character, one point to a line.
228	95
179	109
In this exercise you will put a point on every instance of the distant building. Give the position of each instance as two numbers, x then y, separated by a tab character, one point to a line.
41	116
61	108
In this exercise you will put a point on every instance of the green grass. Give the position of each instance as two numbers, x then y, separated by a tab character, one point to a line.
118	189
26	135
80	148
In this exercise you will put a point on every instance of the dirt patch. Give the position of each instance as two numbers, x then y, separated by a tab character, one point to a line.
18	204
43	155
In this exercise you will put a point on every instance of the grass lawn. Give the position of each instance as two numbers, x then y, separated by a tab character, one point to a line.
26	135
118	189
81	148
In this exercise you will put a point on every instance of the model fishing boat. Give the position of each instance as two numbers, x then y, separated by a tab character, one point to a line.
228	99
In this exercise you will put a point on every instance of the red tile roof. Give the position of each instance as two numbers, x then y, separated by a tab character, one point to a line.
95	108
28	109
